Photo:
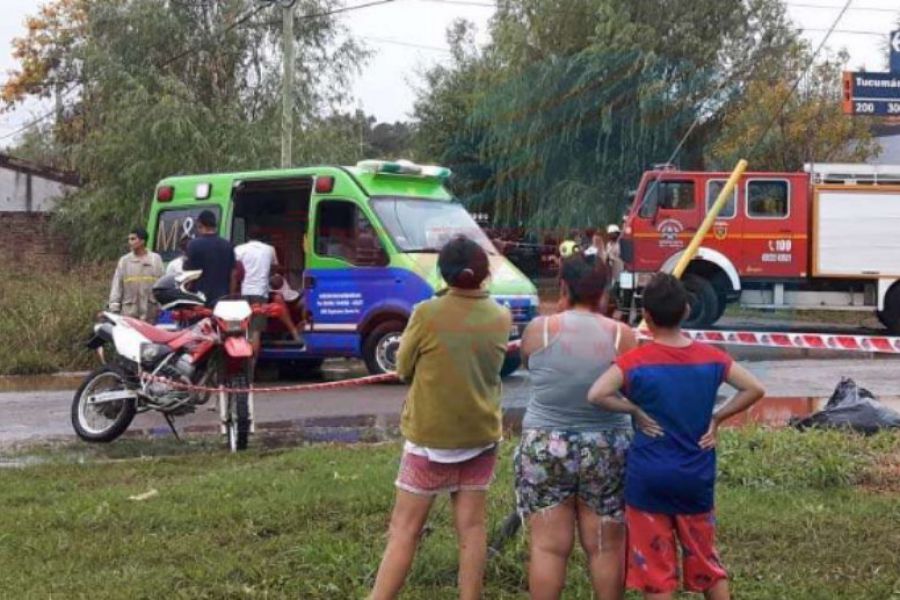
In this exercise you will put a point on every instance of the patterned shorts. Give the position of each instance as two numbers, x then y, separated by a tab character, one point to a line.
424	477
552	466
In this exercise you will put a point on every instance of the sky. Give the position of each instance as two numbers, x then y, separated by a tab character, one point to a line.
408	36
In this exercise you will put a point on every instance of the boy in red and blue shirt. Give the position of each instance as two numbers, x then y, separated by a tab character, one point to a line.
670	387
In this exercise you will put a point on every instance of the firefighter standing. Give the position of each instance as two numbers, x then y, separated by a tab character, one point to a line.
130	293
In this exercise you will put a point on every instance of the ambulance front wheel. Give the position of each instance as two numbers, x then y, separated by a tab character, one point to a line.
381	346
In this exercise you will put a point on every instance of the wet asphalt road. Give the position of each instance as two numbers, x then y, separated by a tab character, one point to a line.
39	408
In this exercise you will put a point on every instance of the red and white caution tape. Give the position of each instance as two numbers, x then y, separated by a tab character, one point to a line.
765	339
807	341
303	387
878	344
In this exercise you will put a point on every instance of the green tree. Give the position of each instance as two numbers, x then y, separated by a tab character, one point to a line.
779	131
161	87
571	101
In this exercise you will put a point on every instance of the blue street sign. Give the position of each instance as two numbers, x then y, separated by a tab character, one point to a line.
895	52
872	93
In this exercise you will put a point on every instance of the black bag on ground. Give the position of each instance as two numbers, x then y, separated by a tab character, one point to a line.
851	407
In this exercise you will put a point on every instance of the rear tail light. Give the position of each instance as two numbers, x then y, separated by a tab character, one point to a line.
165	193
324	185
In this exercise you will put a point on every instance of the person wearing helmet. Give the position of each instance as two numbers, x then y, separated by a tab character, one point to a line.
568	248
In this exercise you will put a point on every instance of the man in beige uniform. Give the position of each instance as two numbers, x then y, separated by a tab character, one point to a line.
137	271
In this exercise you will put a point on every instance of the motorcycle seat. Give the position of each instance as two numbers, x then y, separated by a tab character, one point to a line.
155	334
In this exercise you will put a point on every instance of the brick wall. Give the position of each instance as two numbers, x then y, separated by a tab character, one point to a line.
28	241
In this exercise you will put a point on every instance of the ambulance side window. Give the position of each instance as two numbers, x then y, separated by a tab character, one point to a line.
344	232
668	195
713	189
768	199
173	224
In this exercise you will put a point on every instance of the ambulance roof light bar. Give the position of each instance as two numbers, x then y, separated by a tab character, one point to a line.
852	173
403	167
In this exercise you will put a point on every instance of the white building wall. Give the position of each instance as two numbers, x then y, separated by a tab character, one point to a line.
26	192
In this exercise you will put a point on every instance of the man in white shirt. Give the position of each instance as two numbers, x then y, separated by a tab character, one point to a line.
176	265
258	259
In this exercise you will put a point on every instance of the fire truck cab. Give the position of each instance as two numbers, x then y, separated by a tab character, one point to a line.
824	238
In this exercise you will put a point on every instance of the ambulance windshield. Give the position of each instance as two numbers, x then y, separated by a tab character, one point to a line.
423	225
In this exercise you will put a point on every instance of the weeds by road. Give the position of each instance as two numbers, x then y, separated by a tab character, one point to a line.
795	522
46	317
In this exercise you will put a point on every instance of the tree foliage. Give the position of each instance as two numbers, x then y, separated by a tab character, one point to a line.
779	131
160	87
555	119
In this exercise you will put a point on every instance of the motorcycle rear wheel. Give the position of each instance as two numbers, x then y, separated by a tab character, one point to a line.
237	427
101	422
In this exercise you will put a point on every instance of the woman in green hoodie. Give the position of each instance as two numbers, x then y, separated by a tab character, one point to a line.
451	353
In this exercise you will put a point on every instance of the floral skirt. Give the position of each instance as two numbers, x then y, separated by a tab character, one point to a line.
552	466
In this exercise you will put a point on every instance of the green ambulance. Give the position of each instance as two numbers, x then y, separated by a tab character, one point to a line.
360	242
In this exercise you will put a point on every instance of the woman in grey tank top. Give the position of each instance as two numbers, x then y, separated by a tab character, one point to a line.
570	463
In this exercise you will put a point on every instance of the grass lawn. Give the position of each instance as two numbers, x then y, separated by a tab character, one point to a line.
802	515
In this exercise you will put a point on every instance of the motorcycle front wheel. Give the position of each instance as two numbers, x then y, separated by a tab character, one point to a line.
237	427
101	421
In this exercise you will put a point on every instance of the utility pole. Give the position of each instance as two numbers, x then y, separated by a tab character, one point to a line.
287	91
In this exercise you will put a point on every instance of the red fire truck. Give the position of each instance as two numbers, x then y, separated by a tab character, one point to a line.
825	238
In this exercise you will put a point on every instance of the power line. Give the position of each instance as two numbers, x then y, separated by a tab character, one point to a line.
846	31
484	4
407	44
800	77
856	8
37	120
344	9
196	48
237	23
463	3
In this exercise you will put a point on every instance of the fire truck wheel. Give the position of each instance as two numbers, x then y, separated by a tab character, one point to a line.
704	302
723	304
890	316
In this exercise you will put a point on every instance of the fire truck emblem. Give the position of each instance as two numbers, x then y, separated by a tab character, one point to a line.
720	230
668	233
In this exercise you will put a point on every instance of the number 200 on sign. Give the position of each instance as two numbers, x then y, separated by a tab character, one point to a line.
868	108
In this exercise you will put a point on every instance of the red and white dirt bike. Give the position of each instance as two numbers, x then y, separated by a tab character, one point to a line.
153	368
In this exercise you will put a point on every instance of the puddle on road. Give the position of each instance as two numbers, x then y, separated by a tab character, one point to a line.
21	462
776	412
332	370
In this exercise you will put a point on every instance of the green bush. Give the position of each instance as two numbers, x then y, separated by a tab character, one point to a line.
818	459
46	317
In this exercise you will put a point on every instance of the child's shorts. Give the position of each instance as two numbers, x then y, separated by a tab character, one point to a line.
418	475
553	466
653	556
